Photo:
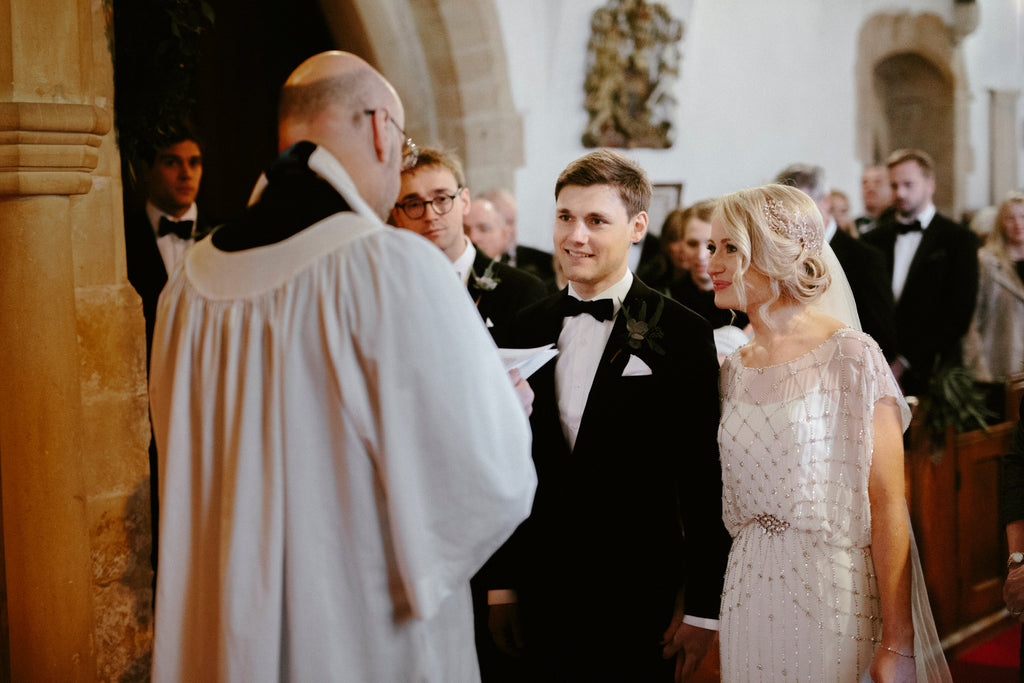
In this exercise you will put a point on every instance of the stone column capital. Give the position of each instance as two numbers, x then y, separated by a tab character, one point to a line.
49	148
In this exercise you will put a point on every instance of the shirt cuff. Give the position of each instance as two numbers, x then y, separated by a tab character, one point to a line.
502	596
701	622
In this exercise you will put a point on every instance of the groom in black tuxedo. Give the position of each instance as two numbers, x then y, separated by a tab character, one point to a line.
625	422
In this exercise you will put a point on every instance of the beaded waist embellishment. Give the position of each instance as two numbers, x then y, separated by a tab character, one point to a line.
770	524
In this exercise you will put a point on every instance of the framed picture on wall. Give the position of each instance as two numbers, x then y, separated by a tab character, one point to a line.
667	196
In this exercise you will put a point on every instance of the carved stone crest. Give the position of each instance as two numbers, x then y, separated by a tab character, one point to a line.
632	63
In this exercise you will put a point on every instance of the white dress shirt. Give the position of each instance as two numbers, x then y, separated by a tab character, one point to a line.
172	248
905	248
580	347
464	264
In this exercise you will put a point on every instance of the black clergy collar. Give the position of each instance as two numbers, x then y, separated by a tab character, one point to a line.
294	199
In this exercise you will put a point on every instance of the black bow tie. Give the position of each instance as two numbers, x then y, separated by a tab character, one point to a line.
601	309
904	228
182	229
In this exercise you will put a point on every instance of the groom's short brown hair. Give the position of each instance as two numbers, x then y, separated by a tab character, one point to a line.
607	167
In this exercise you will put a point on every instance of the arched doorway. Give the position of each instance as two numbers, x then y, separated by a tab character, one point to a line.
917	107
912	92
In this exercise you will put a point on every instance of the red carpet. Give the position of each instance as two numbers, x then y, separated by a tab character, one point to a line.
994	661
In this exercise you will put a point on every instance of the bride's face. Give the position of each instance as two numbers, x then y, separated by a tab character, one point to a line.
727	275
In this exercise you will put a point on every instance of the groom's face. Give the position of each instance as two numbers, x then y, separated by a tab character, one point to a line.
592	235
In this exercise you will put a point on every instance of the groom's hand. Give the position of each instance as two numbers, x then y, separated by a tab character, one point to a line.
689	644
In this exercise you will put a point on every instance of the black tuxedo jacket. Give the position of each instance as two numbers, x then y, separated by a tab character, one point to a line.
602	555
935	309
146	270
536	262
871	283
514	291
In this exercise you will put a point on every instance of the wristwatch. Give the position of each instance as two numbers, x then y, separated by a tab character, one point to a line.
1015	559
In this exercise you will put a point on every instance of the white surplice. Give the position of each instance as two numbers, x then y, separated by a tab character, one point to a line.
340	450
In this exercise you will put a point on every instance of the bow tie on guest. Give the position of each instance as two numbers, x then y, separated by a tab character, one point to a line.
913	226
182	229
601	309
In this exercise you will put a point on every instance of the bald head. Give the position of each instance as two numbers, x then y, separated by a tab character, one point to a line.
341	103
486	228
505	203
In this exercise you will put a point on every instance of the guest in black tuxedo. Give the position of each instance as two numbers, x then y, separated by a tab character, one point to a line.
864	265
624	440
534	261
432	202
876	195
156	237
486	229
933	266
155	240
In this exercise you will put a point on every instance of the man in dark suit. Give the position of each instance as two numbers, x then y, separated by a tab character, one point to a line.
625	444
933	264
864	265
877	197
534	261
156	237
432	202
155	240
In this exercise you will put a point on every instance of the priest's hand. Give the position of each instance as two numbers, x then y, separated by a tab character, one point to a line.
522	388
688	644
503	622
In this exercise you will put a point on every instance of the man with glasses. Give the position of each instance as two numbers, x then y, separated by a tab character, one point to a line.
325	401
432	202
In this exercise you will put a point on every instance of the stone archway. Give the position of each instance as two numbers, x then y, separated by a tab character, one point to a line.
913	92
447	60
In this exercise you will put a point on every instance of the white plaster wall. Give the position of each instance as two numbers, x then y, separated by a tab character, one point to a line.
762	85
994	59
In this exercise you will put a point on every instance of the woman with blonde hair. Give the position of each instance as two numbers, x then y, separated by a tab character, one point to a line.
823	581
995	342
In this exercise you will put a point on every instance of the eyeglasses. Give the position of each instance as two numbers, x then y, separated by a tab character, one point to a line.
410	153
417	208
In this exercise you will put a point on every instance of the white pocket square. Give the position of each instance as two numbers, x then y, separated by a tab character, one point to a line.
636	368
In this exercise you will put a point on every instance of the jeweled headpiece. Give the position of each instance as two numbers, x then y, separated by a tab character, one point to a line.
796	226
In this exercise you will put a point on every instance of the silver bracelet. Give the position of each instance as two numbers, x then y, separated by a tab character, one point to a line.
901	654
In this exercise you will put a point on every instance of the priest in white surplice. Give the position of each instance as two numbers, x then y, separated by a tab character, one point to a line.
340	447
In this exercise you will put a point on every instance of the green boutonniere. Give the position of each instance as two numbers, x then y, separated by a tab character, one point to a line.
640	330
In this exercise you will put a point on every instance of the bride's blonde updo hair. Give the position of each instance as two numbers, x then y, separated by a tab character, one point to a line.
778	231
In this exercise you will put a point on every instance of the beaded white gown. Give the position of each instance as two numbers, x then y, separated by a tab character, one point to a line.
801	600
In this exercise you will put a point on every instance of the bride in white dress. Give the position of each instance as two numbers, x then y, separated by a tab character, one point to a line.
823	582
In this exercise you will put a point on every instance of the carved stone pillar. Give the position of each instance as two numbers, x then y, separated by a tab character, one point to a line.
45	156
73	423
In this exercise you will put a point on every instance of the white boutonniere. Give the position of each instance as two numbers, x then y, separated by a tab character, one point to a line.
488	281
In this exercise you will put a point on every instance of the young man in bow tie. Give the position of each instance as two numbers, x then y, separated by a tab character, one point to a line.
625	443
157	237
933	263
433	202
155	240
